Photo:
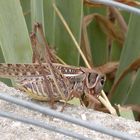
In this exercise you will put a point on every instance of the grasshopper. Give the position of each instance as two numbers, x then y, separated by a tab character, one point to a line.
51	81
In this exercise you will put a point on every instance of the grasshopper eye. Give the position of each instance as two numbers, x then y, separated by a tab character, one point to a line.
102	80
91	80
100	84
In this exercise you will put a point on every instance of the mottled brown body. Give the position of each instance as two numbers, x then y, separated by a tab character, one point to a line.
29	77
52	81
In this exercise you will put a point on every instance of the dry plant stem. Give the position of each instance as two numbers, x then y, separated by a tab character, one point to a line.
106	26
120	19
108	68
91	4
130	2
104	100
104	96
71	34
73	38
59	59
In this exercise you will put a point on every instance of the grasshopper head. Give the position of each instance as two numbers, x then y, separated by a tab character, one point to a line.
95	82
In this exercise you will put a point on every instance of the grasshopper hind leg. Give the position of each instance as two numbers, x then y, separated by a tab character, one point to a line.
50	92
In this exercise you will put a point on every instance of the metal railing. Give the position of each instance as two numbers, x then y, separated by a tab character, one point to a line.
47	111
117	5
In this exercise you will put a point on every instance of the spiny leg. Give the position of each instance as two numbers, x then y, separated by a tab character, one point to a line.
67	99
35	42
36	55
50	93
60	81
39	30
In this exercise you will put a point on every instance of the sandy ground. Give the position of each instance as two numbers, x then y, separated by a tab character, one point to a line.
13	130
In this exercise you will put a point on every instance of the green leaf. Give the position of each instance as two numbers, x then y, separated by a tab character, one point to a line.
37	13
14	38
126	112
116	46
26	7
72	13
128	89
97	38
49	21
